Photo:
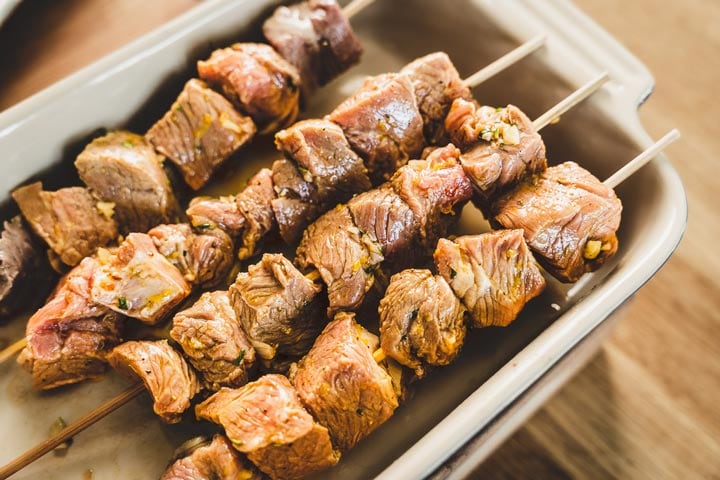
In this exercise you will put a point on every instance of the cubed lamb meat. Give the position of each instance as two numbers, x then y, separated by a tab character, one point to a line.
255	203
325	159
200	131
203	258
279	309
494	274
265	420
166	375
383	124
260	82
437	84
220	212
421	320
68	338
315	36
342	385
435	189
295	205
138	281
19	262
569	219
210	335
345	257
501	147
70	220
122	168
216	460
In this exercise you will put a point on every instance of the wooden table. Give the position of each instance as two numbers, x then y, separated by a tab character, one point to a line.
648	406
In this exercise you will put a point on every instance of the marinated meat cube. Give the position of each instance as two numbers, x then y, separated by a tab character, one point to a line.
388	222
295	205
260	83
344	256
265	420
138	281
569	219
168	378
199	132
421	320
500	146
437	84
255	203
383	124
210	335
279	309
494	274
122	168
222	212
315	36
70	220
340	383
288	182
204	259
325	159
69	337
435	189
19	262
216	460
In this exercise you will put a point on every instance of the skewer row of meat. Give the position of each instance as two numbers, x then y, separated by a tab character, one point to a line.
127	189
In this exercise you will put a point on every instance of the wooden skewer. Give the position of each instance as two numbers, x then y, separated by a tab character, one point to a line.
570	101
638	162
71	430
507	60
9	351
355	7
379	355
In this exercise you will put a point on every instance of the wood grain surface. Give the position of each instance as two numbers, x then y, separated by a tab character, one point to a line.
648	406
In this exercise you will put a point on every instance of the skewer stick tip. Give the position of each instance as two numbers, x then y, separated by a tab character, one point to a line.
505	61
570	101
641	160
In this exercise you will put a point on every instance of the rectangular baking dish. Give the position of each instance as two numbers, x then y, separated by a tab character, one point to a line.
133	86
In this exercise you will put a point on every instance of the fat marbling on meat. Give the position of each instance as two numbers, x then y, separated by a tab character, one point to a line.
69	220
200	132
341	384
211	338
122	168
68	338
266	420
166	375
569	219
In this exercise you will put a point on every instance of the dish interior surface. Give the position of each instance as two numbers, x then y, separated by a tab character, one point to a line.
41	139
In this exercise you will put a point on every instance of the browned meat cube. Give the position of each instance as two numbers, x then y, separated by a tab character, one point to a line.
137	281
344	256
383	124
166	375
315	36
199	132
255	203
421	320
216	460
204	259
265	420
279	308
494	274
295	205
210	335
70	220
435	189
500	146
325	159
260	83
19	262
68	338
342	385
220	212
122	168
569	218
437	84
389	223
